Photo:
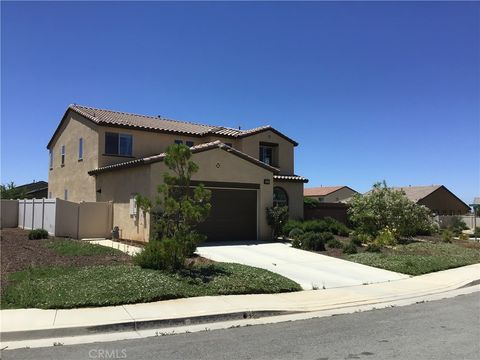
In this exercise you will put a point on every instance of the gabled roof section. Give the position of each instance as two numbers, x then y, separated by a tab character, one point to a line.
417	193
323	190
160	124
34	186
195	149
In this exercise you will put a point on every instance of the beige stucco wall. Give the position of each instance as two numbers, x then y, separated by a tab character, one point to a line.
250	145
8	213
145	143
95	219
295	197
231	169
73	175
132	227
118	186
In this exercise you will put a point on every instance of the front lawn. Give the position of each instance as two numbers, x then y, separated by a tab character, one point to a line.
79	248
420	257
71	287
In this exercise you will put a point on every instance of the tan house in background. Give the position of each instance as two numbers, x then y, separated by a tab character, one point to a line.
104	155
329	194
437	198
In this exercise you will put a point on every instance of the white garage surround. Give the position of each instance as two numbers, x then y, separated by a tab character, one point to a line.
310	270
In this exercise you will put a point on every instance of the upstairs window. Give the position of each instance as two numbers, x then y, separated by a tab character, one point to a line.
62	155
268	154
51	159
178	142
189	143
80	149
118	144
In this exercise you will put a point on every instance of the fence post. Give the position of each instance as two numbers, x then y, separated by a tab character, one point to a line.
24	208
43	213
33	213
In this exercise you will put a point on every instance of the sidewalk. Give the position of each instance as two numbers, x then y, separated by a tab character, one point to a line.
23	324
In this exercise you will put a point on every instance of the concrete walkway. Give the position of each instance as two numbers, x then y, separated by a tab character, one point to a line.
128	249
310	270
30	327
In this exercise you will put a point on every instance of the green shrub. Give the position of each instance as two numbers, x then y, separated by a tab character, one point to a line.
334	244
310	241
463	236
327	224
160	255
295	233
336	227
277	218
447	236
350	248
317	226
373	248
310	202
37	234
358	238
457	225
476	233
386	237
292	224
297	243
313	241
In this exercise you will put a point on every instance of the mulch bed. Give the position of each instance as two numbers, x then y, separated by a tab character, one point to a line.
18	253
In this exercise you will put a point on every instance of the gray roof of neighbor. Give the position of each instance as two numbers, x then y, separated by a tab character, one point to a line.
160	124
416	193
194	149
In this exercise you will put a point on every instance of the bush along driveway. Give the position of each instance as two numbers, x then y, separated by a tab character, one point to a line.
70	274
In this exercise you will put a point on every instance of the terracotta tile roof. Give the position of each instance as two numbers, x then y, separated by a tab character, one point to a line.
195	149
321	191
290	178
161	124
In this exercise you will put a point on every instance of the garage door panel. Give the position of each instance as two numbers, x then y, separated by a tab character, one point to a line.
233	216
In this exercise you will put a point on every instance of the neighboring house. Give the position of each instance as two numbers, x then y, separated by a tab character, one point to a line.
437	198
34	190
103	155
329	194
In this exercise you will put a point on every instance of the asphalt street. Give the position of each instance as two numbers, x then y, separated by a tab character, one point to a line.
444	329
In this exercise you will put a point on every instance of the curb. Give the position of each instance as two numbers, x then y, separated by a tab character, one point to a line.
135	325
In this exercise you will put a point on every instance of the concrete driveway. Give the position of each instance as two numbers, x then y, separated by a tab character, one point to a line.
309	269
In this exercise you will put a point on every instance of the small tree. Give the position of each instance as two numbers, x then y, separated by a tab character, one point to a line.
11	191
277	217
180	209
386	208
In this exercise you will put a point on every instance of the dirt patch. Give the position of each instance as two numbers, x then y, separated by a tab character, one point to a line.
18	253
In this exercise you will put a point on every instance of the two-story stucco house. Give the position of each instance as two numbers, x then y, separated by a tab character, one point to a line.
104	155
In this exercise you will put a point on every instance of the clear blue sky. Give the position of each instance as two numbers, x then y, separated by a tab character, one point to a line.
370	90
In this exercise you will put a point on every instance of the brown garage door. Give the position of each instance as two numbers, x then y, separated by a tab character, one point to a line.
233	215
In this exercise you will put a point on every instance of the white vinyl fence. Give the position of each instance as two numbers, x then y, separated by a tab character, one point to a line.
66	218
